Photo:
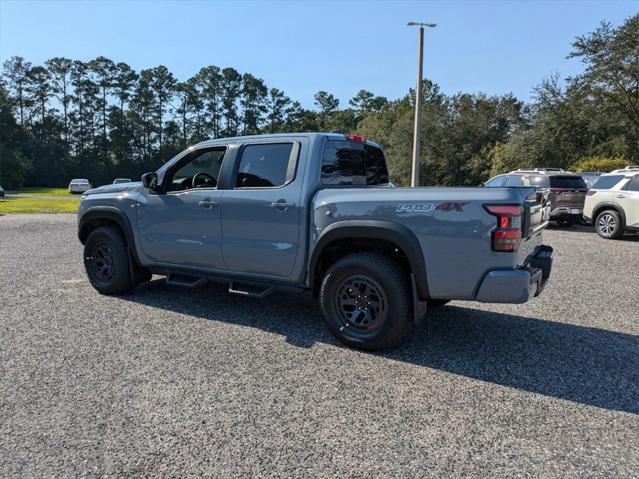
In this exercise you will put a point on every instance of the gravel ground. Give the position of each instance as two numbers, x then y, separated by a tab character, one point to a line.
176	382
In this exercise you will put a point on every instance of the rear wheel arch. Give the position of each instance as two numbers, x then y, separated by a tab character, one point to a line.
347	237
600	208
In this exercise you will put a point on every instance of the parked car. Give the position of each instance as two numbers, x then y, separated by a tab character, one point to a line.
313	211
1	192
612	204
567	191
79	185
121	180
590	177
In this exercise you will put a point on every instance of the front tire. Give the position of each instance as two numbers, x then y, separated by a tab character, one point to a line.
365	301
107	262
609	224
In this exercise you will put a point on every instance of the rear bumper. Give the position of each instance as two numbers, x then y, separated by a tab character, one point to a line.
518	285
566	213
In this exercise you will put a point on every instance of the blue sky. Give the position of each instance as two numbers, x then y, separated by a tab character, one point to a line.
301	47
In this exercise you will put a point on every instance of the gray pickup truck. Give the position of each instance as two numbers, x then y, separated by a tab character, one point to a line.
316	211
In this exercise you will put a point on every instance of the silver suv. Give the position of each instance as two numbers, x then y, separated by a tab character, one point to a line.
612	204
567	190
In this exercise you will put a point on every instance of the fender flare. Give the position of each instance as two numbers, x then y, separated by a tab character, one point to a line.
110	213
396	233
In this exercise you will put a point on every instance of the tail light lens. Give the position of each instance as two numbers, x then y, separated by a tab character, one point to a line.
507	236
590	192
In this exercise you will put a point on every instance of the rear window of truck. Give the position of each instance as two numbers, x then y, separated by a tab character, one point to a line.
568	182
353	163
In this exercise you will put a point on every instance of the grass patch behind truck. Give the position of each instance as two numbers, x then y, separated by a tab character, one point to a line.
38	205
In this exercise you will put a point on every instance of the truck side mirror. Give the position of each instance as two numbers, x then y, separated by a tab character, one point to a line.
150	180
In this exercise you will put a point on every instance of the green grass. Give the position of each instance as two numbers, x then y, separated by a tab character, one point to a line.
38	205
43	191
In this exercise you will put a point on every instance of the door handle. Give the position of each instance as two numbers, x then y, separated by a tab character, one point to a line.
282	205
621	196
207	204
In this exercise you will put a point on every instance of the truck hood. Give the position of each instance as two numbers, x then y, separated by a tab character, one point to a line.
119	188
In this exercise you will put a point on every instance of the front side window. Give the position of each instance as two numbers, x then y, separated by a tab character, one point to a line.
607	182
266	165
200	169
353	163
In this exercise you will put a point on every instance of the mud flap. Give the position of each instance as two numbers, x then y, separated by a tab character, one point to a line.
419	307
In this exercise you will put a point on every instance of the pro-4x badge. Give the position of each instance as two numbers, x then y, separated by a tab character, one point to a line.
428	207
421	208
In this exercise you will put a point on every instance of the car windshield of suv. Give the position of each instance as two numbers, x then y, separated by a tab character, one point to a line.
496	182
607	182
568	182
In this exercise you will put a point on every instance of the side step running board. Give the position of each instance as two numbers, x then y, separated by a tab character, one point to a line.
258	294
185	281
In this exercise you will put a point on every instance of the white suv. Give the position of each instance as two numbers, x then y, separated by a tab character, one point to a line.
612	204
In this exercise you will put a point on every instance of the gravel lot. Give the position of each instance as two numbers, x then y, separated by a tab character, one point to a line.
175	382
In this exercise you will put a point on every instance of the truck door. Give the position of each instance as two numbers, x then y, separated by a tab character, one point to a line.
628	200
181	223
261	217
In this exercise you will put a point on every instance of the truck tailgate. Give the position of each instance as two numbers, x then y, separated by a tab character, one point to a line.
537	213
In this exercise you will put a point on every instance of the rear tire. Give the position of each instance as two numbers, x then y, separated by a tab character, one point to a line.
609	224
365	301
106	261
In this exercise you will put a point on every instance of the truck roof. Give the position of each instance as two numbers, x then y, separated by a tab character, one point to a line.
330	136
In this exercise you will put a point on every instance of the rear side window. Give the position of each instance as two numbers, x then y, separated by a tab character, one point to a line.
353	163
607	182
568	182
267	165
633	185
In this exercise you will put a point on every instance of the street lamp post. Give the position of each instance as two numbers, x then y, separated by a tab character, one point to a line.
418	101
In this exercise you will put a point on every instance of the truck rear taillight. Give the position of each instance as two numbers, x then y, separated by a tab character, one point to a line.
507	236
590	192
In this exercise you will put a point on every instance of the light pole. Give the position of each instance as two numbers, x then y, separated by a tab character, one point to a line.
418	100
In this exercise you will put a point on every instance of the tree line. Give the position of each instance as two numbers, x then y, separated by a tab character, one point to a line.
101	119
